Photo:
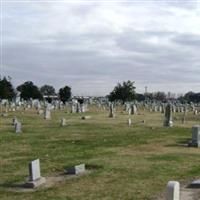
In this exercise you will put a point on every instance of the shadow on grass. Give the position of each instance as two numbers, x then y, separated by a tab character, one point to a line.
181	143
89	167
12	185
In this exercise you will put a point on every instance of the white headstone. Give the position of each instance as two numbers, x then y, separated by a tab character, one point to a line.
34	170
173	190
47	113
78	169
129	122
18	127
63	122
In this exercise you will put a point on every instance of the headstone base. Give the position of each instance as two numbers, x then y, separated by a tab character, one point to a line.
195	184
78	169
193	144
36	183
86	117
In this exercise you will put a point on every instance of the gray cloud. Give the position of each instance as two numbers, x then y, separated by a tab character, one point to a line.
190	40
95	45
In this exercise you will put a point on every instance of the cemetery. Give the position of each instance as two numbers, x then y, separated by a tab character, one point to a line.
100	100
130	151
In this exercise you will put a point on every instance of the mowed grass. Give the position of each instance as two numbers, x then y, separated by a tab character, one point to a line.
132	163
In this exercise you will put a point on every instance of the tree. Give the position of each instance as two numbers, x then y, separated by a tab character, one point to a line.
159	96
47	90
123	92
148	96
29	90
190	97
65	93
6	89
80	100
140	97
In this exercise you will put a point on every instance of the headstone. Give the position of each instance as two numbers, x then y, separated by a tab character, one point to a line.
14	121
155	108
129	122
133	109
73	108
47	113
173	190
34	170
111	110
78	169
18	127
195	184
129	111
35	178
40	112
195	136
83	108
168	116
86	117
195	112
184	118
63	122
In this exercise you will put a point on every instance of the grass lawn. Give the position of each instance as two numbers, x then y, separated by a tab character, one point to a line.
132	163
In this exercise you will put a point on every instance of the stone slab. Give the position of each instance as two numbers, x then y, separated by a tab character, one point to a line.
36	183
78	169
195	184
86	117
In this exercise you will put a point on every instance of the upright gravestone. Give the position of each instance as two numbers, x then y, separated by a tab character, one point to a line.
111	110
47	113
18	127
63	122
173	190
133	109
168	116
129	122
195	136
195	112
160	109
35	178
40	112
14	121
163	109
73	108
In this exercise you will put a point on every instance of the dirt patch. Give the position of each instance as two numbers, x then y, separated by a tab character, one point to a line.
50	182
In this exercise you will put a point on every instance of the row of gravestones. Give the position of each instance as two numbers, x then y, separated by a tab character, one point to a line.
167	122
76	107
47	115
18	125
36	180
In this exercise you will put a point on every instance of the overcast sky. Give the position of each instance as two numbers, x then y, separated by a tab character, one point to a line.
92	45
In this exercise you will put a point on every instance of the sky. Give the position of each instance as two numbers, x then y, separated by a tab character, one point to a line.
92	45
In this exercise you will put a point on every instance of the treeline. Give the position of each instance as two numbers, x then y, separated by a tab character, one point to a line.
190	97
126	92
123	92
29	90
